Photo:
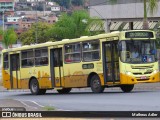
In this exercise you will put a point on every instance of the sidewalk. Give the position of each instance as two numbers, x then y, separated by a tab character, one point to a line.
29	106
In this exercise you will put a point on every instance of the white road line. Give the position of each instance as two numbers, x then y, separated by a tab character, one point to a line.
35	103
26	104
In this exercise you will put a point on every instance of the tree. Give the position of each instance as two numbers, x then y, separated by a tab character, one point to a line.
152	7
29	37
73	26
77	2
9	37
63	3
153	4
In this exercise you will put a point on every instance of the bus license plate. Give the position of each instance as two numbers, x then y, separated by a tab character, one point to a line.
143	77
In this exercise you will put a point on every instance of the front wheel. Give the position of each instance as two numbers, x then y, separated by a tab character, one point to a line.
64	90
127	88
96	84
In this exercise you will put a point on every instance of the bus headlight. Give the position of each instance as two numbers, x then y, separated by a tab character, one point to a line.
155	71
128	73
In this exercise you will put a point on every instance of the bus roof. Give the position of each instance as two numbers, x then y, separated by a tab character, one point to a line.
66	41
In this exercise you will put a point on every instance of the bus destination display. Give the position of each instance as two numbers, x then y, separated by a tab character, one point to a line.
139	34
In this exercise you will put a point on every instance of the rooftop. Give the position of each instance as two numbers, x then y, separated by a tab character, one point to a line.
6	0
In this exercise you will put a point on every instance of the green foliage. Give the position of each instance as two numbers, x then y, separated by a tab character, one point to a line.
9	37
63	3
153	5
29	37
72	26
49	108
77	2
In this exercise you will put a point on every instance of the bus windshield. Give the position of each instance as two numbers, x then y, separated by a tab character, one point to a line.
138	51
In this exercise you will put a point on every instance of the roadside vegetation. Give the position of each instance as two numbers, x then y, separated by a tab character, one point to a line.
49	108
69	25
9	37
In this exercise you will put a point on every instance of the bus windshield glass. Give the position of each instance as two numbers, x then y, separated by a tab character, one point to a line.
138	51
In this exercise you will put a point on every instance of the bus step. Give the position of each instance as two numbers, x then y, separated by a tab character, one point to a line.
58	88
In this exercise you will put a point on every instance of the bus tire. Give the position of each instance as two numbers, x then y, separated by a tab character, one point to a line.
64	90
96	84
34	87
127	88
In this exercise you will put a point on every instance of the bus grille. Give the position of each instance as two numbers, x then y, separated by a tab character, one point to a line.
141	67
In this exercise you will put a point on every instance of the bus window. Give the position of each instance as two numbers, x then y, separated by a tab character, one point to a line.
72	53
145	51
41	57
5	60
91	51
27	58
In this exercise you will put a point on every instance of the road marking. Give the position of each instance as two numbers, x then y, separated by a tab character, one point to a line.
26	104
35	103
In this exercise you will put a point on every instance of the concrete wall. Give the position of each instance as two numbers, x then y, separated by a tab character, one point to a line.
128	10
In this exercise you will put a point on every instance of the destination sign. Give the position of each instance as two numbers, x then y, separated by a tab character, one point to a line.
139	34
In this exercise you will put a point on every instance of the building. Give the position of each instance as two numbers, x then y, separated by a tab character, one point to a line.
25	23
49	19
125	14
55	8
6	5
13	19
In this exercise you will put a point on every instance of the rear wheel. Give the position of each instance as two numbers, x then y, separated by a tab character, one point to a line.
64	90
34	88
96	84
127	88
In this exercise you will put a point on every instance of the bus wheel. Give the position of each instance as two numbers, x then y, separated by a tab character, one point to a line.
64	90
96	84
34	88
127	88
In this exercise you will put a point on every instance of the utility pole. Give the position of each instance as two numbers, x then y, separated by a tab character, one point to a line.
3	45
36	24
3	19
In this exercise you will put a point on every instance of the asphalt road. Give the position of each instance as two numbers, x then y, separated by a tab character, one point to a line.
84	100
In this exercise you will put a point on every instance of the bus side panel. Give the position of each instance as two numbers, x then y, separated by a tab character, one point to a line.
43	76
6	78
74	75
77	77
26	74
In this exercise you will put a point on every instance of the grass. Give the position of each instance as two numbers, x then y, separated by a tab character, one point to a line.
49	108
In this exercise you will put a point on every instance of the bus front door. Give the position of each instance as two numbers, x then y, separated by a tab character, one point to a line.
111	62
56	64
14	71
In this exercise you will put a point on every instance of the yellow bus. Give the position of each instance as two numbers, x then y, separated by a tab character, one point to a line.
116	59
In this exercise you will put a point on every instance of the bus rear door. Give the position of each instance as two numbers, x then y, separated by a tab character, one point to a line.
56	64
14	71
111	62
